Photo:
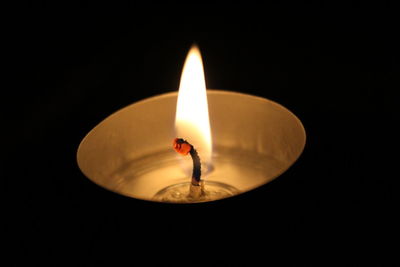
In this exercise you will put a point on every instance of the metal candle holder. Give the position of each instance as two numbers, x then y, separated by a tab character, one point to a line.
254	141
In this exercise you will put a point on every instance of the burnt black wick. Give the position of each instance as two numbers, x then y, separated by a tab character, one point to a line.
184	147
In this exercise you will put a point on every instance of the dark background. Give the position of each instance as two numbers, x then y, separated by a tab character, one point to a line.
334	65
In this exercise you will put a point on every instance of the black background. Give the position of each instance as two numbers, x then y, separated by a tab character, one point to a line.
334	65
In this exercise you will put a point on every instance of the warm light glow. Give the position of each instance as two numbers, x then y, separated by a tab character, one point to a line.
192	121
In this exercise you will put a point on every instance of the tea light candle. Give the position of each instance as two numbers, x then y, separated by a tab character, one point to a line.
243	142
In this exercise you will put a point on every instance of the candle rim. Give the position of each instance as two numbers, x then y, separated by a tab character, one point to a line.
212	91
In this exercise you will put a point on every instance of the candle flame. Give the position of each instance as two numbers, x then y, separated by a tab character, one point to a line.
192	121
